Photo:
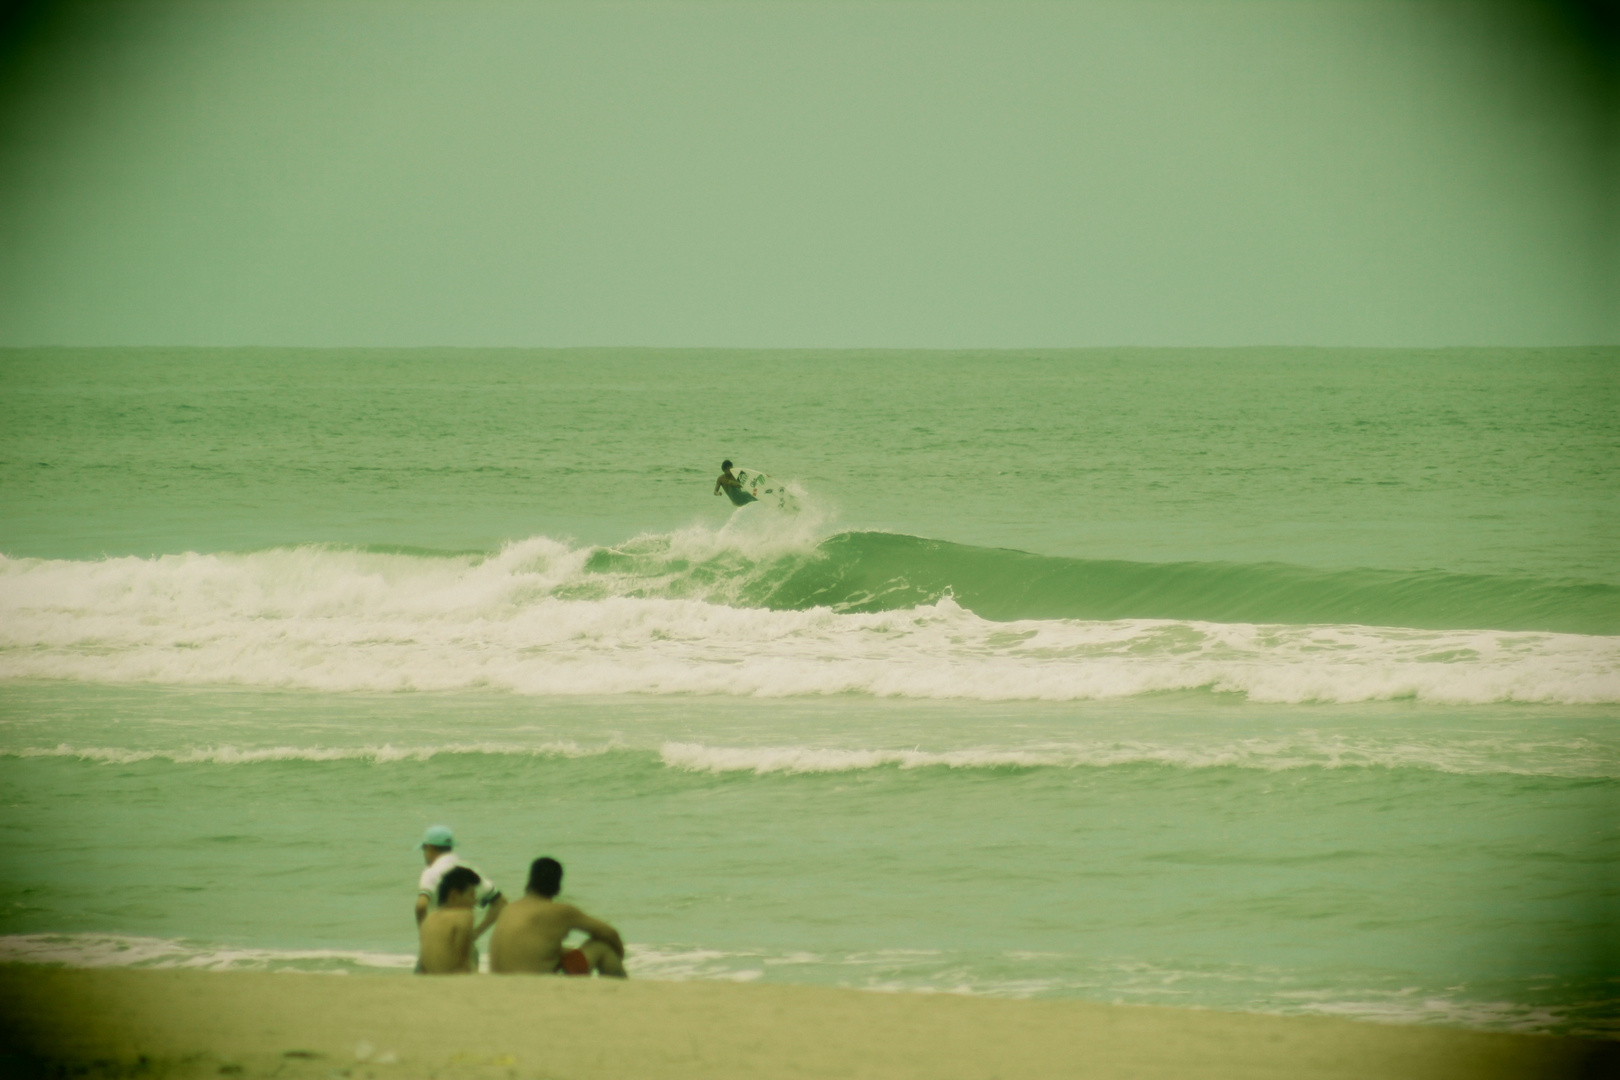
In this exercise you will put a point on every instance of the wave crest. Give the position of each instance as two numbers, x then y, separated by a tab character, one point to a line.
1568	758
702	612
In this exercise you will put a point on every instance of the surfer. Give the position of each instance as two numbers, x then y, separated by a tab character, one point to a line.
731	486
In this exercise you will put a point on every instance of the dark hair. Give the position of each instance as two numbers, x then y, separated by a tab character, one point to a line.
456	879
725	464
545	876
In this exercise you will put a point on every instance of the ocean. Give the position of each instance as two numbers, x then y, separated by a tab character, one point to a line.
1282	680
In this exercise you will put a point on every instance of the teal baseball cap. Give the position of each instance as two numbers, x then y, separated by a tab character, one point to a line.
438	836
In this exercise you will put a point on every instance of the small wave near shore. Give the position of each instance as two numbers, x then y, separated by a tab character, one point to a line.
1566	757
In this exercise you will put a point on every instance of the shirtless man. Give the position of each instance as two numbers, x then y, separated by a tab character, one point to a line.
731	486
529	934
446	932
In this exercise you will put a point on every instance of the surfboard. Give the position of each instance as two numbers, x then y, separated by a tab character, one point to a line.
755	486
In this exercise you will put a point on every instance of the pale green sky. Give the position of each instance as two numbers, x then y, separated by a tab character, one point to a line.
1207	172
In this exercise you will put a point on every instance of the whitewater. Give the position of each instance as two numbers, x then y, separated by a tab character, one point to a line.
544	617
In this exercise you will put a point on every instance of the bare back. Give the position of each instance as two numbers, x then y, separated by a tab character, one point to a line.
446	942
529	934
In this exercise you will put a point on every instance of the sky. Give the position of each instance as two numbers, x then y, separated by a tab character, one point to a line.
833	174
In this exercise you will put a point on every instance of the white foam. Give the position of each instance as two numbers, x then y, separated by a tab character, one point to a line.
1571	758
1391	1009
232	755
535	619
127	950
1564	758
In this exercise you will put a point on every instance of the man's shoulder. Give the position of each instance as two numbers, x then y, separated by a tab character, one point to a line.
448	916
436	870
566	912
530	904
530	907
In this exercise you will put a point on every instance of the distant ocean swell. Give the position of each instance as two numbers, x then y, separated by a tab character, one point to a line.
701	612
1573	758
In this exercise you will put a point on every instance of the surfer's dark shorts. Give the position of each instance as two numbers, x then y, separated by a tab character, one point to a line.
573	962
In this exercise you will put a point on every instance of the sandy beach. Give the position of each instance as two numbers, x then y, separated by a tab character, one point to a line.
189	1023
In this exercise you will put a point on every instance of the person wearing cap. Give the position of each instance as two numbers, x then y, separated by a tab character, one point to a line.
438	851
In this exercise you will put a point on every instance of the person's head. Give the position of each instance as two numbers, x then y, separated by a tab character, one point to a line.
437	840
725	466
545	877
458	887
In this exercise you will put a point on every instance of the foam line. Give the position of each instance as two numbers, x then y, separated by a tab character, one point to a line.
1563	758
884	971
232	755
1572	758
544	618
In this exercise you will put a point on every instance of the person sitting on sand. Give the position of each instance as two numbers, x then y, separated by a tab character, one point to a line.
529	934
446	932
437	851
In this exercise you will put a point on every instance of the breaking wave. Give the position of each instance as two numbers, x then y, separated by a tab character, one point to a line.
774	615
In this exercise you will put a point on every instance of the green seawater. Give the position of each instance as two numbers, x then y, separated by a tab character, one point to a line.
1281	680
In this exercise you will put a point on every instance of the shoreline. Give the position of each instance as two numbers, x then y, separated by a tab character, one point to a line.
131	1022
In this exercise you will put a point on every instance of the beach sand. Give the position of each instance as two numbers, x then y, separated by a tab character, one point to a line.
59	1021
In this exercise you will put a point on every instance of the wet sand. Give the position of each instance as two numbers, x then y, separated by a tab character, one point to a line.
192	1023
